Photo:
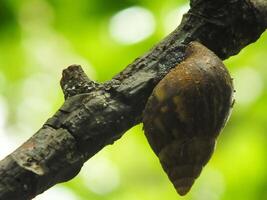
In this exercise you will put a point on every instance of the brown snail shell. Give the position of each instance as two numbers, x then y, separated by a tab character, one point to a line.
186	112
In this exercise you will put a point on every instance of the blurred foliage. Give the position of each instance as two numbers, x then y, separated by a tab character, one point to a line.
38	38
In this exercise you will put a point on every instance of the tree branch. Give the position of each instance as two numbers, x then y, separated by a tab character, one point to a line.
261	6
95	115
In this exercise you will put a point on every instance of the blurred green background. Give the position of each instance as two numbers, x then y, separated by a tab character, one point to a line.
39	38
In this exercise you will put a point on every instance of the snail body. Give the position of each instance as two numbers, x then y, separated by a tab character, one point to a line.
186	112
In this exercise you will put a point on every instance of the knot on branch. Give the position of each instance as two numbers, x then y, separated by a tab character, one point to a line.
74	81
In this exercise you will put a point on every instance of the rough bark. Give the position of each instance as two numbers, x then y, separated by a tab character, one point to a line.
261	6
95	115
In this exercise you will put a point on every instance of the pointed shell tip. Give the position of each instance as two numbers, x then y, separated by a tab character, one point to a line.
183	190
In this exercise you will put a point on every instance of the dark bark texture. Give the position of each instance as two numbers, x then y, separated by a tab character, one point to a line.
95	115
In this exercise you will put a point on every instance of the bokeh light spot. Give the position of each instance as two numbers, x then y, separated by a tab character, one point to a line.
3	112
132	25
57	193
6	143
248	84
211	185
101	175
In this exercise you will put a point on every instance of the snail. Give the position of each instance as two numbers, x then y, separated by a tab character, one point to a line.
185	114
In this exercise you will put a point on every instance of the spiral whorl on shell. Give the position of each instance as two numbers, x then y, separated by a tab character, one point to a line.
185	113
